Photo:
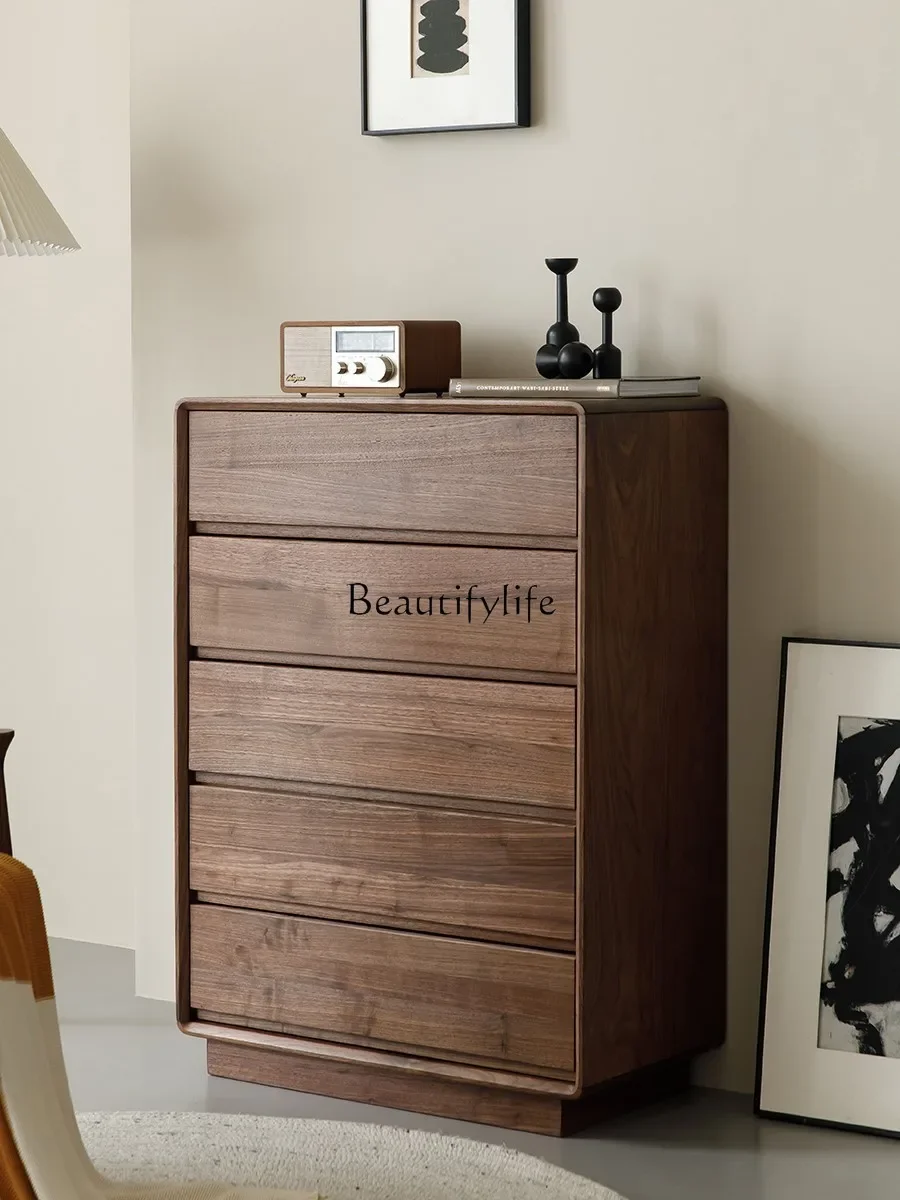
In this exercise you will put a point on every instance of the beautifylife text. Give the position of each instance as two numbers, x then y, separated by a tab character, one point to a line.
515	600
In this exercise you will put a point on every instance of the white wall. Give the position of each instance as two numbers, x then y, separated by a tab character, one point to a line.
66	475
732	167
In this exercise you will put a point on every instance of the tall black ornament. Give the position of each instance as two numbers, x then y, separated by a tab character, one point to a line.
607	357
563	354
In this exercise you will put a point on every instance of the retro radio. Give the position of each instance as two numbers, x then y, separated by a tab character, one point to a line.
390	357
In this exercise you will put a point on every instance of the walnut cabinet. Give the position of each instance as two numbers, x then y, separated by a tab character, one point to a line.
451	749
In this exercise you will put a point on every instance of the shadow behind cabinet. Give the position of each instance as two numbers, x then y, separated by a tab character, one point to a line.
462	860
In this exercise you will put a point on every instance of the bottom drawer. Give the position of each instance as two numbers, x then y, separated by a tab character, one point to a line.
423	994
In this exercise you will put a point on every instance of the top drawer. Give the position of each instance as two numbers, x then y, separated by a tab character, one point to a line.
452	472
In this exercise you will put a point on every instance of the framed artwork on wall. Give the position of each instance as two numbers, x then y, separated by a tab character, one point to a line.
829	1031
440	65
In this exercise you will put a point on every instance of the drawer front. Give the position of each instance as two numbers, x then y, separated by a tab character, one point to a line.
434	994
461	869
446	737
417	471
420	604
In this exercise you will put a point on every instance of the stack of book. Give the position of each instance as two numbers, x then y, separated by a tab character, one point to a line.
636	387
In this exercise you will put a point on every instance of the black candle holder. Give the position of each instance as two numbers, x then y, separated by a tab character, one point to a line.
564	355
607	357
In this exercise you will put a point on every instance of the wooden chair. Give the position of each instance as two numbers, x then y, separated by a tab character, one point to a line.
42	1156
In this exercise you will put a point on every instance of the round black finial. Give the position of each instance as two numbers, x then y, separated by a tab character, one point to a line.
575	360
607	300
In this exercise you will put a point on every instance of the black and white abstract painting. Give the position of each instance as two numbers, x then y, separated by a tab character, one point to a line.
432	66
440	30
860	997
829	1029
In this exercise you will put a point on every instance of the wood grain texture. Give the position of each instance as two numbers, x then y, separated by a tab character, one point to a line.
406	989
493	741
389	1088
346	533
654	817
383	666
449	406
396	1059
553	1116
485	1062
501	808
355	916
415	470
510	876
6	736
385	602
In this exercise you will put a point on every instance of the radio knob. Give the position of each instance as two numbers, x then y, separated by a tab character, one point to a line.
357	368
342	368
379	369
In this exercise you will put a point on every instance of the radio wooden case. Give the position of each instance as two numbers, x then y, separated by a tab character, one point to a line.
384	358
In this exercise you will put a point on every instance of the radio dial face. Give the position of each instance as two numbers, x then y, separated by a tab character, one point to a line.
379	369
362	357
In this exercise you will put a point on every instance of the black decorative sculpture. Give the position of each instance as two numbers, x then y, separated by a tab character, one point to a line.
563	355
607	357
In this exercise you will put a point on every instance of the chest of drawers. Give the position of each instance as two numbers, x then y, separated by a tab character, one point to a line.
450	773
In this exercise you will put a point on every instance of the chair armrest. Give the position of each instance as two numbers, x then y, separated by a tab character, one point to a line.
6	736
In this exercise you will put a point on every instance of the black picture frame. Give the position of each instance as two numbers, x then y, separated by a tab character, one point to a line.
523	99
759	1109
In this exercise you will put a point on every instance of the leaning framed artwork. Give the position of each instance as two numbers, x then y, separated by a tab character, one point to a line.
441	65
829	1031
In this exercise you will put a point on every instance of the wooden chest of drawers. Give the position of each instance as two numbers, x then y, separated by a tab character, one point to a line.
451	749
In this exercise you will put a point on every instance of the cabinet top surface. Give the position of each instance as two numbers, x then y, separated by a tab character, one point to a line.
434	404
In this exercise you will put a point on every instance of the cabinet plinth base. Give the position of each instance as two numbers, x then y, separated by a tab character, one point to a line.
460	1101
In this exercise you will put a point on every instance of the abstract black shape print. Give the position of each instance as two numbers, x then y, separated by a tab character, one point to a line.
440	33
860	998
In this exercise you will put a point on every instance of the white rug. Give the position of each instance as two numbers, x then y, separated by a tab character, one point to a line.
341	1161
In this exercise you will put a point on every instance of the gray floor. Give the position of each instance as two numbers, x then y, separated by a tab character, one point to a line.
127	1055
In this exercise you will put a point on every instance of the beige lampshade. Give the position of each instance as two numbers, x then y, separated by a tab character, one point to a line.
29	224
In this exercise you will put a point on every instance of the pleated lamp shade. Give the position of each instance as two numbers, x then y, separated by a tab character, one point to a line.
29	224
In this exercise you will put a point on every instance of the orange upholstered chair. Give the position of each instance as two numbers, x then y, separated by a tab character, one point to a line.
42	1156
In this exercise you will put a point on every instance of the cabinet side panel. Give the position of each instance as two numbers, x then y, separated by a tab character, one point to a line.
654	920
